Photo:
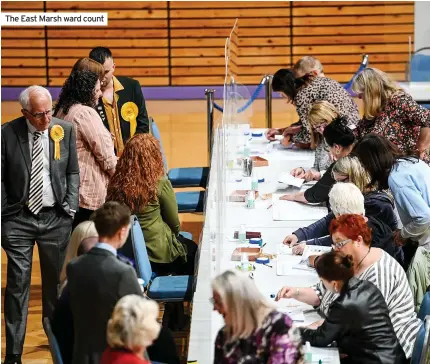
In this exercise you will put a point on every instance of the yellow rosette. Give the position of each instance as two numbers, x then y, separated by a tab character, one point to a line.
129	113
57	135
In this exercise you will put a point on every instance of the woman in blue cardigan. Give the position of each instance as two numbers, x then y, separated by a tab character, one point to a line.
408	178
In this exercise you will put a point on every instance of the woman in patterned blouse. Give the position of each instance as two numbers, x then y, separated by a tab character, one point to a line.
303	93
254	331
392	113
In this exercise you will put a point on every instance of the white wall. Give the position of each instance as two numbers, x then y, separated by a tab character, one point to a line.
422	24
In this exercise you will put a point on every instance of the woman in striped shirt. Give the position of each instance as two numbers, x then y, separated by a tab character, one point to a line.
352	236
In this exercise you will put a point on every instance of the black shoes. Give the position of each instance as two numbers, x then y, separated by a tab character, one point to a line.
12	359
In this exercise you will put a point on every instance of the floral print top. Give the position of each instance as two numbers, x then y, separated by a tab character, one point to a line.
319	89
400	122
275	342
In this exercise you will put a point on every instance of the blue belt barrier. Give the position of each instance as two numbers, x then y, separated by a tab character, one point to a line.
248	103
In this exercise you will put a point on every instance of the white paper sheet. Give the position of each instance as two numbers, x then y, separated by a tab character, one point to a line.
296	211
326	355
290	180
307	252
285	265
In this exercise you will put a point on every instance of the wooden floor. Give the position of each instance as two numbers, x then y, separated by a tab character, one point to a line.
183	129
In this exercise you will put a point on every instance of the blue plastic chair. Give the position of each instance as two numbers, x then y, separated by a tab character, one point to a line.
425	307
182	177
188	201
422	343
419	67
163	288
53	343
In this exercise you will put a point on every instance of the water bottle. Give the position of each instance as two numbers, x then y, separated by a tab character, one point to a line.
242	234
250	200
246	149
308	353
254	181
244	263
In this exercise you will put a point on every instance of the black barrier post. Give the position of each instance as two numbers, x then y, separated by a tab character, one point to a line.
210	119
268	96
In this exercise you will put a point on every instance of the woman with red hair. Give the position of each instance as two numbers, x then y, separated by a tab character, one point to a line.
358	321
352	236
140	182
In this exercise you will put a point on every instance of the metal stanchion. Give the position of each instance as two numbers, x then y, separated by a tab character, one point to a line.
210	118
268	96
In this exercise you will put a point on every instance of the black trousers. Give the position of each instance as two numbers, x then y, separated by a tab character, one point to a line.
81	216
51	231
179	266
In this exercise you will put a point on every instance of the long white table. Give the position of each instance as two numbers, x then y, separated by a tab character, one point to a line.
217	246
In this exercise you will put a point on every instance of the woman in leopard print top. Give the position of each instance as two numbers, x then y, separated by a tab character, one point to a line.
392	113
307	90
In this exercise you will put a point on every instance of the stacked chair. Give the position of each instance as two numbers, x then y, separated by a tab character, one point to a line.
188	201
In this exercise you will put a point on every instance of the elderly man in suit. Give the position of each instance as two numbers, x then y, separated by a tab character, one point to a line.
122	107
39	196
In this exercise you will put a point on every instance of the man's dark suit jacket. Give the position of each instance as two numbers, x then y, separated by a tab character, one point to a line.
16	167
96	281
132	92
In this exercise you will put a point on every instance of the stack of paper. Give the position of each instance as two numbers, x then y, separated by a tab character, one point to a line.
288	179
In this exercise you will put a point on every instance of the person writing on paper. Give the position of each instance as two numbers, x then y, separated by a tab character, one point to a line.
305	91
346	198
321	114
254	331
392	113
358	320
340	139
351	235
305	65
409	181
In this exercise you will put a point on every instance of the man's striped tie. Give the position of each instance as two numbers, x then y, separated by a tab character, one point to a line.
35	201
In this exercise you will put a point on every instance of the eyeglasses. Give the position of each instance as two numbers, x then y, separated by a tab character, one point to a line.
212	300
39	115
340	244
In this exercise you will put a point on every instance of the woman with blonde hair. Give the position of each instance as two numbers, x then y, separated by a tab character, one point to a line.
321	114
377	203
83	239
392	113
84	231
303	92
254	331
132	328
